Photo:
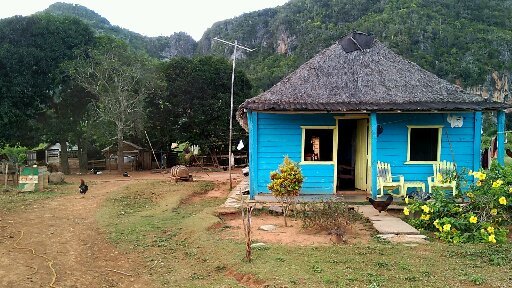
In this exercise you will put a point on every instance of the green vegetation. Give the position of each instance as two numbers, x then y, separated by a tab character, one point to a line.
484	219
31	51
195	108
462	42
181	249
162	47
14	200
285	184
333	216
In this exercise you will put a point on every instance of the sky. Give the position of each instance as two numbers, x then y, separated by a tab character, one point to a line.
152	17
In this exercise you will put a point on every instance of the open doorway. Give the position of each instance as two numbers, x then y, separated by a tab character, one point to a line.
352	161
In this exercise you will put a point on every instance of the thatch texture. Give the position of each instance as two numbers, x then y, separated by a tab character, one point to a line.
374	79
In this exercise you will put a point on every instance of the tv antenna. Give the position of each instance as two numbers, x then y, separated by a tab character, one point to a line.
235	44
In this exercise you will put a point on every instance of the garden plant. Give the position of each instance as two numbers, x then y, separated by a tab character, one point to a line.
483	215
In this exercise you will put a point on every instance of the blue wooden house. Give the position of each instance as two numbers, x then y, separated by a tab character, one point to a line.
356	103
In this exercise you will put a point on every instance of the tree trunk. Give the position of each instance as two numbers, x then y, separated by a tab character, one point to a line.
64	163
285	211
120	154
82	155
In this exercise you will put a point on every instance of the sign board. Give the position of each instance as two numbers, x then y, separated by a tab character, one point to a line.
28	178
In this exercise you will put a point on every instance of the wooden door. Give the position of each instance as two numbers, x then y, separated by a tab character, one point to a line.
361	157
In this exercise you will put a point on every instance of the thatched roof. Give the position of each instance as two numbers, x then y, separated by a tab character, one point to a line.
371	78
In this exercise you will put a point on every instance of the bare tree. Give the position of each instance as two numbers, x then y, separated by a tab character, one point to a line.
121	78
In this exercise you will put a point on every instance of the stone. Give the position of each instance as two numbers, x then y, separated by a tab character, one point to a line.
256	245
394	227
275	209
267	227
386	236
56	178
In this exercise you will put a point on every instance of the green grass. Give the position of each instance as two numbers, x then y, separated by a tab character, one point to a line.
12	199
181	250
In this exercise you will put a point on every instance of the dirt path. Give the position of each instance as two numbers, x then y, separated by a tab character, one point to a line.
65	230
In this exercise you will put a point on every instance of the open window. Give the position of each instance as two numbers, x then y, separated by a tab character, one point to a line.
317	144
424	143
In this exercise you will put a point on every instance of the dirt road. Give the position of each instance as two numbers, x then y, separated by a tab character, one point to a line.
64	230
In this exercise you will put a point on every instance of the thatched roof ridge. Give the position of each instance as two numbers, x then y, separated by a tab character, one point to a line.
374	79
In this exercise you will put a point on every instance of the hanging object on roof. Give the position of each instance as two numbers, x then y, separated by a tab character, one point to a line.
356	41
455	121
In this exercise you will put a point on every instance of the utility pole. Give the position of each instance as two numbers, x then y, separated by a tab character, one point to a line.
235	44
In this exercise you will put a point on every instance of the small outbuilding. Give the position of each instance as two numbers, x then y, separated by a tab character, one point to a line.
357	103
135	157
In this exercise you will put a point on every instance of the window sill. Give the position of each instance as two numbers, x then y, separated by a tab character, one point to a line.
316	162
421	162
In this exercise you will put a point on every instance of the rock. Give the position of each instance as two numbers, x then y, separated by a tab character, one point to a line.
275	209
257	245
267	227
386	236
56	178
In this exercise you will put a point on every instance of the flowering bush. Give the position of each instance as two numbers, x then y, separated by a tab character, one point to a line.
482	217
285	183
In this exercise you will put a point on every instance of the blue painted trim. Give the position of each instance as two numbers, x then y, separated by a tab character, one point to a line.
252	118
501	137
374	155
477	142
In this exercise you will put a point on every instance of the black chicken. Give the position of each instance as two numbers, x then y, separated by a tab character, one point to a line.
381	205
83	187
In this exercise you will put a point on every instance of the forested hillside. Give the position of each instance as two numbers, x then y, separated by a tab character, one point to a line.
162	47
465	42
461	41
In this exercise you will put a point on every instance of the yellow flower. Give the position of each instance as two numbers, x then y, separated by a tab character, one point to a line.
477	175
503	200
425	208
492	239
473	219
482	176
470	195
510	189
490	229
436	223
447	227
425	216
494	211
406	200
497	183
479	183
439	178
406	211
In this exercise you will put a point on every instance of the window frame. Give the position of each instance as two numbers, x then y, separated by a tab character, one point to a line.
439	142
334	145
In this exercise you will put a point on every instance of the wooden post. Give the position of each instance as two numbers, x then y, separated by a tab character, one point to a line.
247	228
374	155
501	137
16	176
6	175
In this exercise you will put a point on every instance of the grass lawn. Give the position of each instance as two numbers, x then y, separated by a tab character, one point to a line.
12	199
174	234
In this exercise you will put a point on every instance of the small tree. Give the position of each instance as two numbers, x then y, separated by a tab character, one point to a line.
285	184
17	155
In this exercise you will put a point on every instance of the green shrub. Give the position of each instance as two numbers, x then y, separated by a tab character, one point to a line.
483	217
332	215
285	184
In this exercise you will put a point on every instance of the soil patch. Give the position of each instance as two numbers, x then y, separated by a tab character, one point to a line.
291	235
64	230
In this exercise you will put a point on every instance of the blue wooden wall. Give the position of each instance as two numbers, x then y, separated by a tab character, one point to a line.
278	135
272	136
457	144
